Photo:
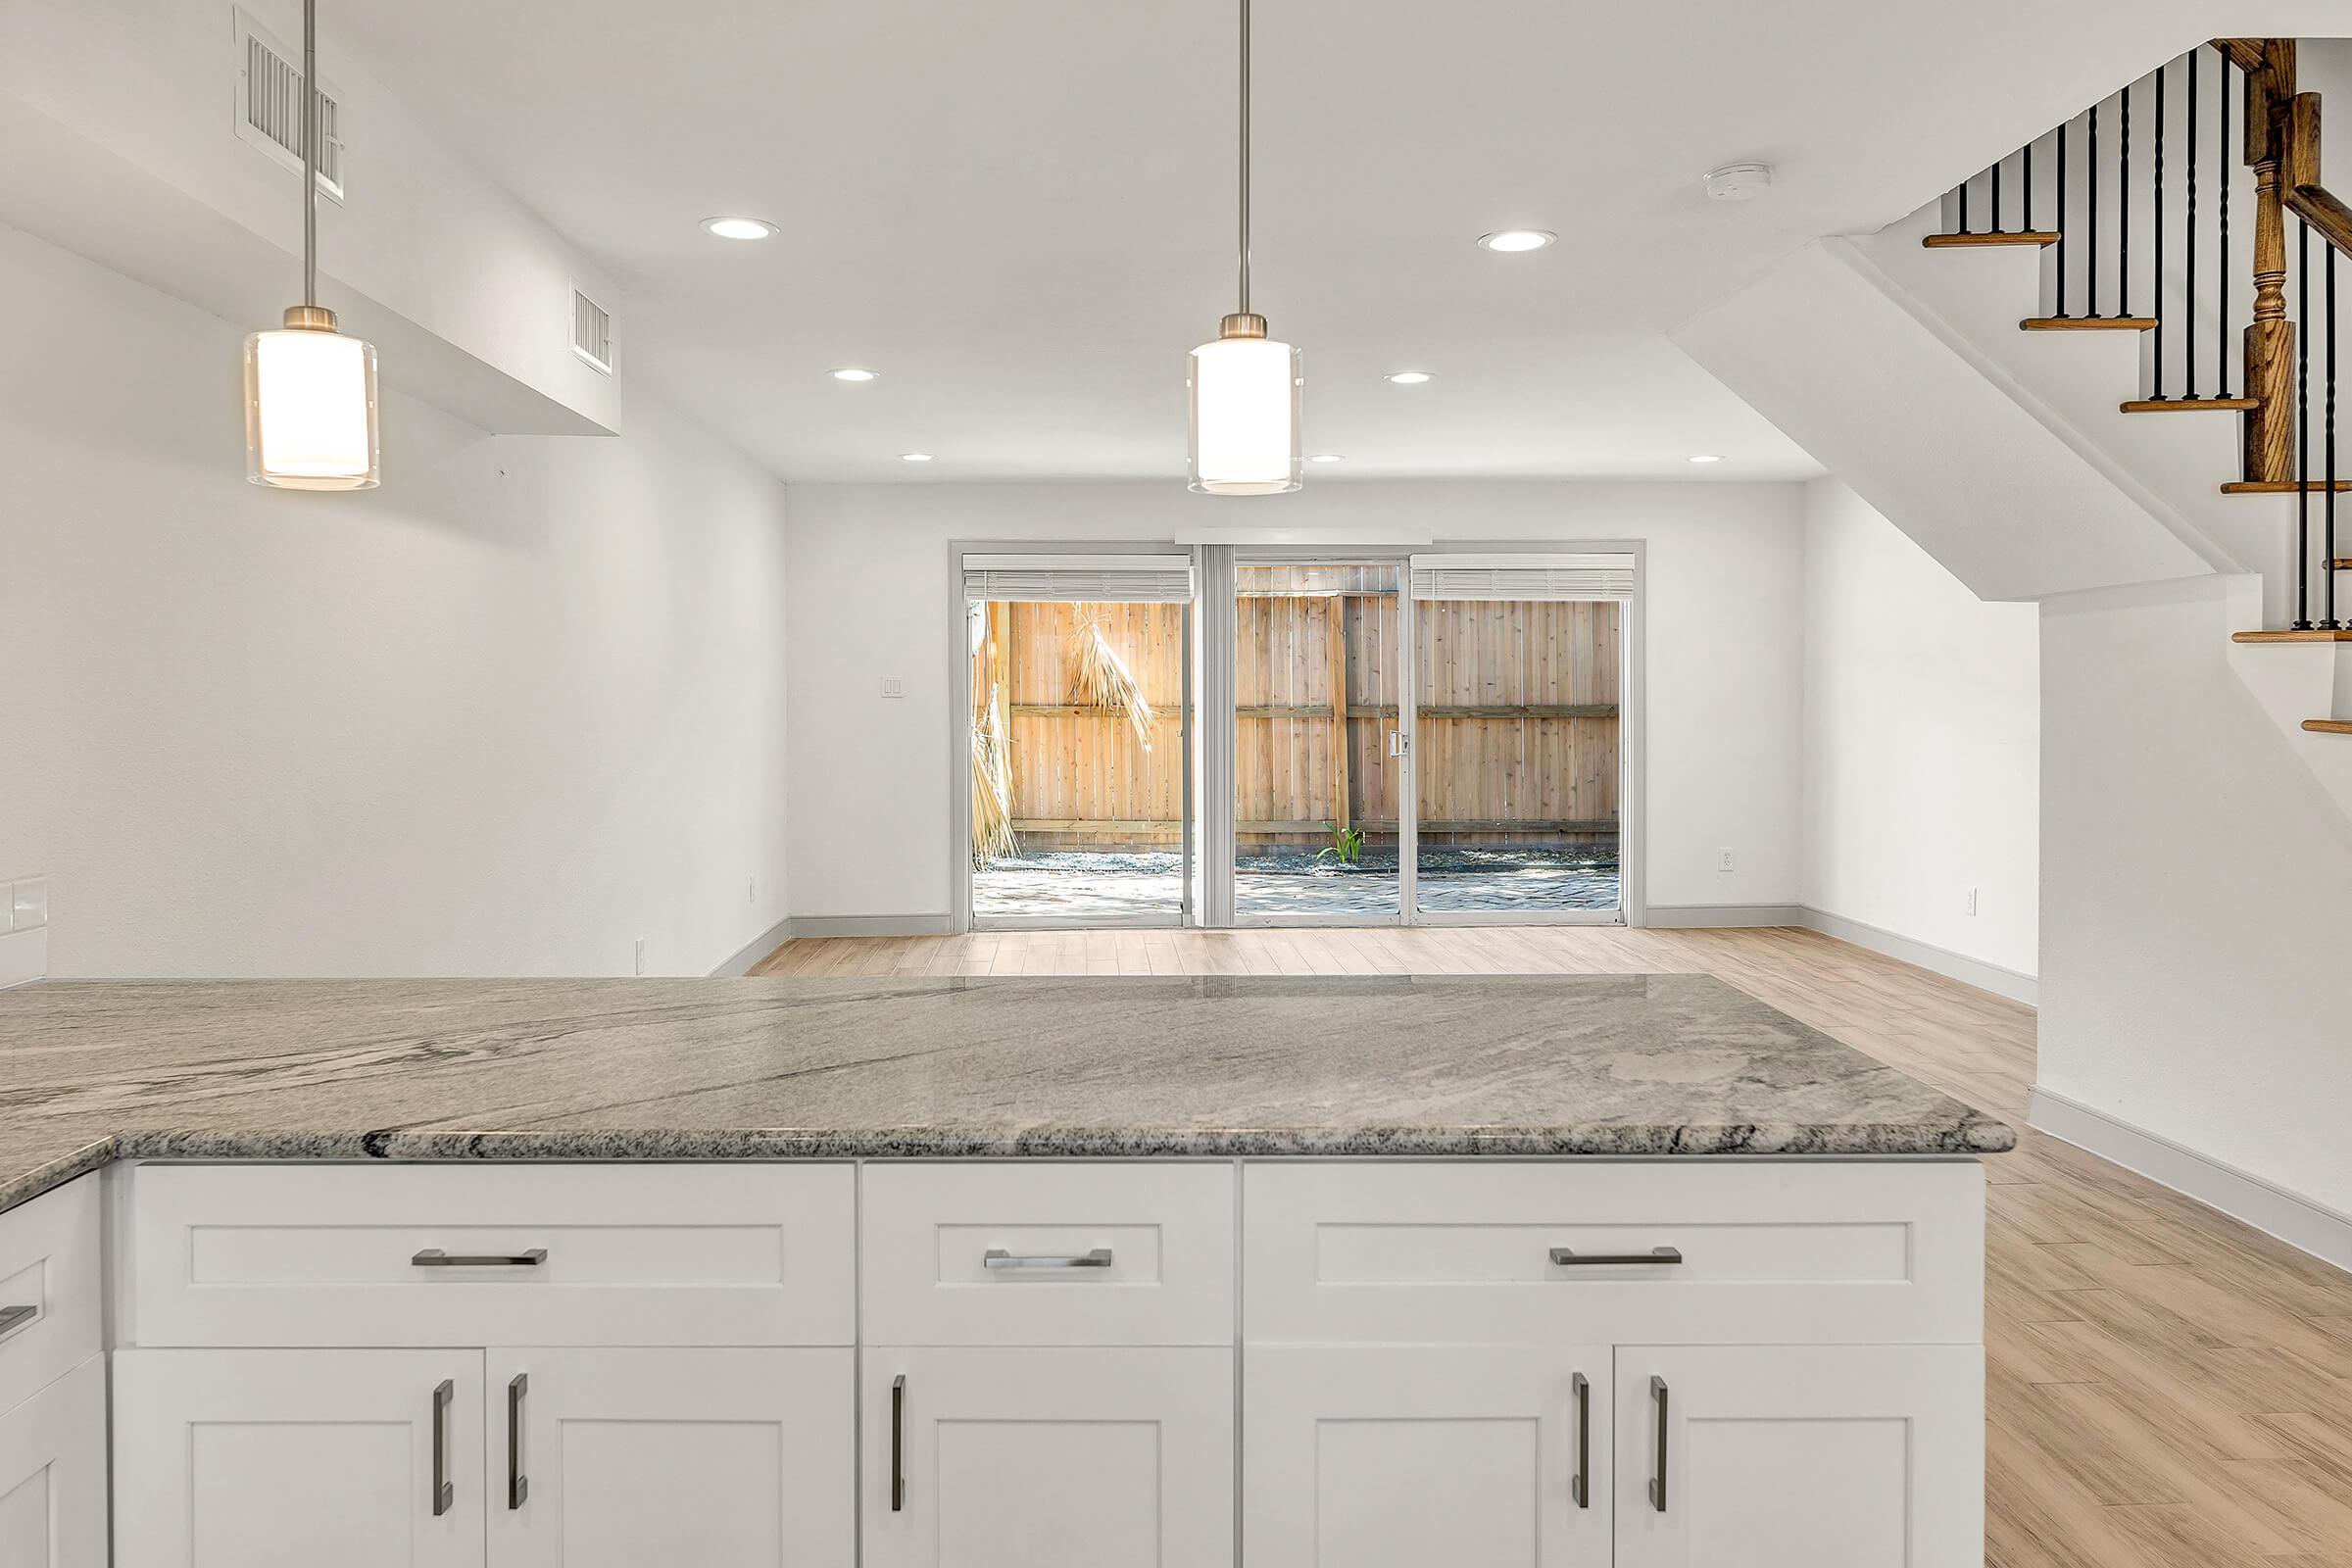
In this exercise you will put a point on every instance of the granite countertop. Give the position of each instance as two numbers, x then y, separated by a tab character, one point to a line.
1667	1064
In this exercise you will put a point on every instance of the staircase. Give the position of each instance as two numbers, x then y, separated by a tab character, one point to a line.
2109	359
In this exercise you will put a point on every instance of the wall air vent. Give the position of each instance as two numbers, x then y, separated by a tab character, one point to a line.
591	332
269	106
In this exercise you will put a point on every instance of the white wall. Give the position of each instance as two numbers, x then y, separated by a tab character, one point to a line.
2197	895
523	705
1921	742
869	598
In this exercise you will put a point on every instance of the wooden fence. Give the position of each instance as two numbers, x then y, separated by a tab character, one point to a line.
1518	707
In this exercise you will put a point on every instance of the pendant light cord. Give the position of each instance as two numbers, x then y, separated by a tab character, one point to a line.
310	151
1245	156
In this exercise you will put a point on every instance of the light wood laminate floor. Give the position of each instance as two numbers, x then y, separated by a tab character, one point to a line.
2165	1386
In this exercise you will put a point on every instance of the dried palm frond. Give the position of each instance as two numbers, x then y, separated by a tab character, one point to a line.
991	793
1101	679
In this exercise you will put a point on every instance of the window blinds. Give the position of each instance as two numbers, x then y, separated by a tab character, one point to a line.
1597	575
1116	579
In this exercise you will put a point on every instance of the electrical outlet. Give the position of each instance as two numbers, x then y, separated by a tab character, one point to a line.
1970	902
1723	861
641	955
894	688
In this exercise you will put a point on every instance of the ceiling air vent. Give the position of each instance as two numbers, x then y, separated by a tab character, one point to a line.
269	106
591	332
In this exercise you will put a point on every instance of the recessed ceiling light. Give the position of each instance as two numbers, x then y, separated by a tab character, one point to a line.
1324	457
914	456
1707	457
1408	377
851	373
1517	239
739	227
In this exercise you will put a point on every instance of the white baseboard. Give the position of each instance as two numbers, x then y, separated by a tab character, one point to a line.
1687	917
870	925
1959	966
2294	1219
760	947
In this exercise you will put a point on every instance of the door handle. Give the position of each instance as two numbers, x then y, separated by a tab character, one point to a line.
14	1318
1657	1476
1568	1257
897	1443
1580	1485
519	1484
996	1257
444	1493
435	1257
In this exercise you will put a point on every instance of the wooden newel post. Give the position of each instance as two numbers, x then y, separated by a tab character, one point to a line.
2270	338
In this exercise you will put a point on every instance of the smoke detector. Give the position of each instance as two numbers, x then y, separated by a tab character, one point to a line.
1739	182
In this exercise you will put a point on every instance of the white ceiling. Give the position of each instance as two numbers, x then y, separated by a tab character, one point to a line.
1020	212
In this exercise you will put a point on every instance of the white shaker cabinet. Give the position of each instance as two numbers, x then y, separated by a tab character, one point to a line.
1052	1459
294	1458
1401	1456
620	1458
1800	1456
53	1474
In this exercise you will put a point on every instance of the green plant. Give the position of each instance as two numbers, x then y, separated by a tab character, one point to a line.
1347	844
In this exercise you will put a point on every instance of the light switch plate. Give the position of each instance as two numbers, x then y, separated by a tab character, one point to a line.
28	903
893	687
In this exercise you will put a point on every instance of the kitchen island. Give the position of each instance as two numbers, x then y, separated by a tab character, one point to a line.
1528	1269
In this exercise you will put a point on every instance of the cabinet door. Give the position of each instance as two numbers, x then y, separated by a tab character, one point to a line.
53	1474
295	1459
1048	1459
1474	1456
1849	1456
621	1458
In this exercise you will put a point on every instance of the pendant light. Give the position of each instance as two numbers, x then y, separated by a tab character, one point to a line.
310	391
1245	384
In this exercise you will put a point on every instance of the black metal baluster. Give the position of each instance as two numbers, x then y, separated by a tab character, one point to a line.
1964	207
2090	249
2302	621
2158	210
2189	246
2025	178
2222	310
2328	553
2122	204
2062	221
1997	195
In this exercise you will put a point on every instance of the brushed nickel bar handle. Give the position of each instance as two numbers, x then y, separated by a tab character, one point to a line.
444	1493
435	1257
1657	1479
1580	1485
1569	1258
519	1484
897	1443
996	1257
14	1318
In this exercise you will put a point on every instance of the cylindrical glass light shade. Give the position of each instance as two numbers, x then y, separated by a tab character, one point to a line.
310	411
1245	416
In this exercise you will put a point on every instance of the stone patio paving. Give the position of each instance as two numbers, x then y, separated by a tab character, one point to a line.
1092	886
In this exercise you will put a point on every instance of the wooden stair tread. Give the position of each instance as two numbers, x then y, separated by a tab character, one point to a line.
2343	564
2291	636
2328	726
2268	488
2021	236
2191	404
2088	324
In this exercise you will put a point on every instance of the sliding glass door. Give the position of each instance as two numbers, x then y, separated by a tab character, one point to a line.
1323	818
1520	668
1080	740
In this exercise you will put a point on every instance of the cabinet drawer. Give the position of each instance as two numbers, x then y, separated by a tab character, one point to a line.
49	1252
1821	1253
1040	1253
486	1254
